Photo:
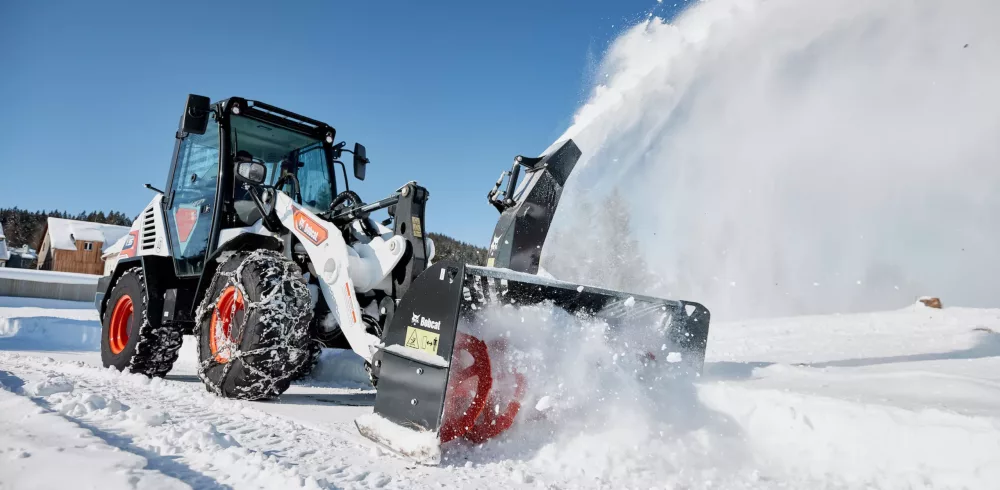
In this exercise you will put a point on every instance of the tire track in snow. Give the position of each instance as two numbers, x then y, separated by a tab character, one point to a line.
221	439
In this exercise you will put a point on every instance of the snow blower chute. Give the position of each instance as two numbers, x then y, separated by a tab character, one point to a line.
434	370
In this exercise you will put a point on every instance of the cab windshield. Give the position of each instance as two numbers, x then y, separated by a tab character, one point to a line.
282	151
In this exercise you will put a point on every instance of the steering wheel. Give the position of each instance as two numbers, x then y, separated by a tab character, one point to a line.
349	199
340	202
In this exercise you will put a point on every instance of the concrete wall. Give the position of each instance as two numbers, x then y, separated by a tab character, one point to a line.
31	288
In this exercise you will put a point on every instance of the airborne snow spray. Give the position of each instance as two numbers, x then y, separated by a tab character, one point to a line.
788	157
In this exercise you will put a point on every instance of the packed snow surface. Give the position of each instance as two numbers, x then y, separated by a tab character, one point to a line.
908	398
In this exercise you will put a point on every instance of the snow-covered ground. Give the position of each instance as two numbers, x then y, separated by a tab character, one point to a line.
900	399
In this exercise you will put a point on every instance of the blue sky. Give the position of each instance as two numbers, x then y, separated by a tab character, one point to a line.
444	93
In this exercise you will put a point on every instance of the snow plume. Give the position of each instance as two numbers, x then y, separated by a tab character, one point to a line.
797	156
599	404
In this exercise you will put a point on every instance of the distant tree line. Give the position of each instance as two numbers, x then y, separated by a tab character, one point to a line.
23	227
26	227
446	247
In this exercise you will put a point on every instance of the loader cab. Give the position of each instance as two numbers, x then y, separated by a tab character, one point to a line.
203	197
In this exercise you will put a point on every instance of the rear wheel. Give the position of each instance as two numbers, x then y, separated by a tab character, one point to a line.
132	336
253	327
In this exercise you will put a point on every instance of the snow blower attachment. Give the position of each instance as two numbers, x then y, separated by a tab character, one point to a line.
253	211
437	373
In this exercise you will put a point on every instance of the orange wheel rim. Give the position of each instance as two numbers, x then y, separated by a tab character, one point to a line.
228	310
120	325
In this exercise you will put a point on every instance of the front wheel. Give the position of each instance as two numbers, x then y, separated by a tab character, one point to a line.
253	326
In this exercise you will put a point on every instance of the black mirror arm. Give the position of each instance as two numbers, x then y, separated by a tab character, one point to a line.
347	185
367	160
338	149
154	189
268	218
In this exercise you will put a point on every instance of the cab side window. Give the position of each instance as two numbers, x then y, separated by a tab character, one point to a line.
192	199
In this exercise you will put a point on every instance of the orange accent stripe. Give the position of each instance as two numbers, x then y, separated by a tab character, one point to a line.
353	315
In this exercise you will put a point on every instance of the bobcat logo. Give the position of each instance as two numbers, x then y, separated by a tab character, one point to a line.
495	243
309	228
425	322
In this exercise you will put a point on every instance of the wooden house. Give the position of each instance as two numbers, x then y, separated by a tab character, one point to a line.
77	246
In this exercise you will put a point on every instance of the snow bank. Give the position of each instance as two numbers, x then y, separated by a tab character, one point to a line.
786	157
39	328
48	276
862	445
51	333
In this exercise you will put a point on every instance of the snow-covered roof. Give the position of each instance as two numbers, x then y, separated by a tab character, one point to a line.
24	251
64	233
4	254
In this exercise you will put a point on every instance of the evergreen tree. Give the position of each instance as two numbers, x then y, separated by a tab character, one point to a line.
23	227
446	248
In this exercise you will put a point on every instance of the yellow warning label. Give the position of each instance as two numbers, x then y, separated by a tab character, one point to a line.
422	340
490	261
418	231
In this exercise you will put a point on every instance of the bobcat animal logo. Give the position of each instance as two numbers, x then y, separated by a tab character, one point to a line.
309	228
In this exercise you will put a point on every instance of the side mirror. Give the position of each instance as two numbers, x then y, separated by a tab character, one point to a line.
360	160
195	119
251	172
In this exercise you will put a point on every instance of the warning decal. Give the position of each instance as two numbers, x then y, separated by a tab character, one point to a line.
418	231
422	340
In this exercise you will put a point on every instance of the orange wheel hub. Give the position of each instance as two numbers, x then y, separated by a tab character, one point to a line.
228	311
120	325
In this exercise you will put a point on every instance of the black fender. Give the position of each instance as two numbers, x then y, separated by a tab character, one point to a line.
239	243
157	274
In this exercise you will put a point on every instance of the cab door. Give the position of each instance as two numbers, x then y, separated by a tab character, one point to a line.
191	199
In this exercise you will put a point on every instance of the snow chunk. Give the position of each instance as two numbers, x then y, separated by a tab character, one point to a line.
50	386
421	445
630	302
674	357
544	403
78	404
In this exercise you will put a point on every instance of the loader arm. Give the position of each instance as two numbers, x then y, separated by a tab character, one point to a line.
341	268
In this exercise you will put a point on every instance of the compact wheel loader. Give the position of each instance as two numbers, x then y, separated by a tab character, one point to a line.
260	251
